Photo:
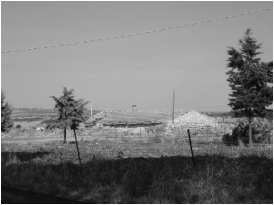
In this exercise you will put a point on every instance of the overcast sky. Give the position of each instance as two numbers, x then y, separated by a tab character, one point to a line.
142	69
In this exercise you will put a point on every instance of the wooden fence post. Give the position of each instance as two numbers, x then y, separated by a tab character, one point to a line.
193	159
140	136
77	148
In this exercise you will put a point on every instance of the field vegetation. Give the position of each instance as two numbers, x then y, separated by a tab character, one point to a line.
154	167
151	172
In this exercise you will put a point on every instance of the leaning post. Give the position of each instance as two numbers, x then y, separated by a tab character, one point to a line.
77	148
193	159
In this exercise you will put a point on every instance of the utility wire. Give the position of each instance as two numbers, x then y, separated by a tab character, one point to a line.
139	33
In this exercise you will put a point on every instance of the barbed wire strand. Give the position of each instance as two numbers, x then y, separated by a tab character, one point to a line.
138	33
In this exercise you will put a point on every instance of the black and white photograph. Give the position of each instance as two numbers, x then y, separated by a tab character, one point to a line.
137	102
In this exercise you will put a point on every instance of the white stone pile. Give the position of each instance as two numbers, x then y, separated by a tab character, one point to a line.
192	120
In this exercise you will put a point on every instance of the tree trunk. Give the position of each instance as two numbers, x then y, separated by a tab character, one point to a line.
65	135
250	133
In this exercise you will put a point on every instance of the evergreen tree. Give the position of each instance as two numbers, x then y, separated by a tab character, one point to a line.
6	121
70	111
250	81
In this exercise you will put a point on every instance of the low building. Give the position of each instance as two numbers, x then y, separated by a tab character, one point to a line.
137	119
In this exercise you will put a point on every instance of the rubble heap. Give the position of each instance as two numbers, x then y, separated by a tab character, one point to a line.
192	120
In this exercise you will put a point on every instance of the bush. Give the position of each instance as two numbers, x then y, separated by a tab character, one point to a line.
230	140
18	126
241	133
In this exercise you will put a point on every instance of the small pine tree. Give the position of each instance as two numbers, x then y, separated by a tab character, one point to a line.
70	111
6	121
249	80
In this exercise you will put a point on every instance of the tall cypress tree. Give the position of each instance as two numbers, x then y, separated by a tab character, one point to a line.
70	111
250	80
6	121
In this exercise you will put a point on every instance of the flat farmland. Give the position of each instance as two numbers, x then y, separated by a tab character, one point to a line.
108	144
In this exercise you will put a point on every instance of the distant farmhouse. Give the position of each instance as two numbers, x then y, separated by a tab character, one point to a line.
135	118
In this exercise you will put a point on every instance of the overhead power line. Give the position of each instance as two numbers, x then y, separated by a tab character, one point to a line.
139	33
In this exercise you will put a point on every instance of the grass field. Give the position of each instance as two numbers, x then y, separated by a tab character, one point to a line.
152	172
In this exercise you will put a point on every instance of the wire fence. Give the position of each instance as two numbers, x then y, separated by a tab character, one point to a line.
155	141
206	141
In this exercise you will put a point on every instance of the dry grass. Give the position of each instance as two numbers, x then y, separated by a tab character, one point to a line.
216	179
